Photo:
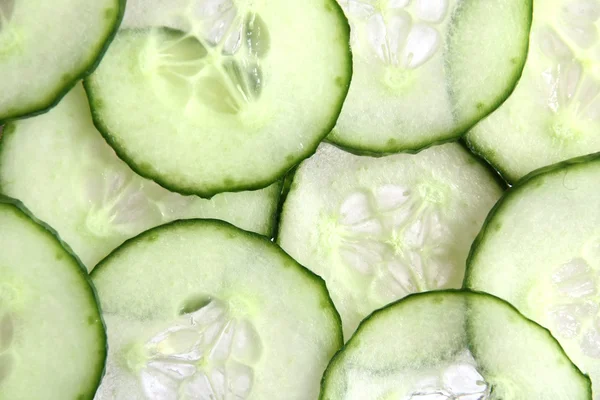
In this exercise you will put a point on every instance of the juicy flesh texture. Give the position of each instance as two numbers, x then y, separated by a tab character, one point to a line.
554	113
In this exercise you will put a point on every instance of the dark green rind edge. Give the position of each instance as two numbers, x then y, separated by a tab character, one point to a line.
508	176
466	293
210	191
285	191
292	187
86	70
275	194
459	131
514	191
215	223
20	207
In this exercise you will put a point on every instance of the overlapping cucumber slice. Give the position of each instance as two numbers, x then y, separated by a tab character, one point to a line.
428	70
554	113
205	96
61	168
46	46
52	339
540	250
202	310
377	229
452	345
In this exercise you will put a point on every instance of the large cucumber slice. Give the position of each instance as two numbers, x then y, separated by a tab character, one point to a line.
554	113
377	229
52	340
47	46
199	309
61	168
540	250
452	345
428	70
205	96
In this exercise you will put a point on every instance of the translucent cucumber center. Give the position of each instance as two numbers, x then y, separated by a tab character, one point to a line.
214	61
6	340
400	34
571	300
206	354
455	380
392	239
120	204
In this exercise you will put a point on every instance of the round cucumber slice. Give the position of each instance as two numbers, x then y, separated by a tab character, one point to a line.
539	250
52	339
222	95
63	170
377	229
199	309
426	71
452	345
554	113
47	46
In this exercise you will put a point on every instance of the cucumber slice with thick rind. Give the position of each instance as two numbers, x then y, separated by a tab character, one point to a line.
52	339
426	71
377	229
61	168
199	309
47	46
554	113
452	345
539	251
206	96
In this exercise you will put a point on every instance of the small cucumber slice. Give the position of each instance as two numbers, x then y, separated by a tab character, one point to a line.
221	95
61	168
47	46
427	70
200	309
554	113
540	250
452	345
52	339
377	229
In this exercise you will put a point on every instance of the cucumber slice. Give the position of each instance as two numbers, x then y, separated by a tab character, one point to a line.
232	93
377	229
452	345
52	339
428	70
554	113
47	46
540	251
199	309
61	168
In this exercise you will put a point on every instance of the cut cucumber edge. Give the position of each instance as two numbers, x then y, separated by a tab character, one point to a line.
209	192
506	199
491	160
415	296
458	132
55	98
20	207
149	234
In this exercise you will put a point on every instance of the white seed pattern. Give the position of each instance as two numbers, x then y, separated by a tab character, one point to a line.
400	33
216	61
205	355
577	315
393	237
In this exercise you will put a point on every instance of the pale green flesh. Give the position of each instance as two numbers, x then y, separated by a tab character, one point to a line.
427	70
452	346
377	229
229	91
59	165
202	310
45	46
554	113
540	251
52	341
